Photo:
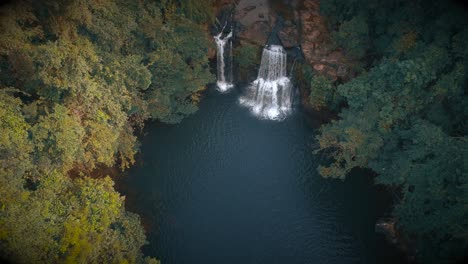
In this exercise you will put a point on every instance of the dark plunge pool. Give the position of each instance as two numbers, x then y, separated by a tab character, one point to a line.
226	187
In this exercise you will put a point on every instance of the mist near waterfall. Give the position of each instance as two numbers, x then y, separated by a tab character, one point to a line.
225	79
270	95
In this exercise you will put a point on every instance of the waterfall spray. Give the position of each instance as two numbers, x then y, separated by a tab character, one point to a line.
270	96
224	83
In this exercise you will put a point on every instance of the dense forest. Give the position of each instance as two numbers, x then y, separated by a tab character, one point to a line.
404	116
77	78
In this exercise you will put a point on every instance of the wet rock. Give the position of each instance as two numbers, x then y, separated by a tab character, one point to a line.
289	36
389	228
386	226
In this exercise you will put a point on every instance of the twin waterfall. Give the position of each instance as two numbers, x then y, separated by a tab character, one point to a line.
270	95
224	83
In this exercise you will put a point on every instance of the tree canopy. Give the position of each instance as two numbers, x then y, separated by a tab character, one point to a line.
77	77
405	115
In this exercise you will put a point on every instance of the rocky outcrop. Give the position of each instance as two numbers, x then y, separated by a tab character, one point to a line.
388	227
212	48
316	43
302	26
289	35
255	20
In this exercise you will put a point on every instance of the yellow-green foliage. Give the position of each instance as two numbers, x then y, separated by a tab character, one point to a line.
15	149
14	144
199	10
322	92
76	77
60	135
70	221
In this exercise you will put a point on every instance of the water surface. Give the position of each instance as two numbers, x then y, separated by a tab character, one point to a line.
226	187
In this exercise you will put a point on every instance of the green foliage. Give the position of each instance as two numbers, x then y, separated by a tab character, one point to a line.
180	70
76	78
15	150
353	36
432	171
73	221
322	92
247	57
14	144
60	136
181	80
405	118
200	11
353	142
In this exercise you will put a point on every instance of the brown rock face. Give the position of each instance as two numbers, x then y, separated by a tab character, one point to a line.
304	26
258	17
388	227
316	44
289	36
255	19
211	48
256	33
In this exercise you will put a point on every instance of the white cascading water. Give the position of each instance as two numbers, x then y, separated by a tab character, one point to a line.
224	84
270	95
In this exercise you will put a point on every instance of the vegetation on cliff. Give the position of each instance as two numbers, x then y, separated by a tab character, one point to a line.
405	114
76	79
247	57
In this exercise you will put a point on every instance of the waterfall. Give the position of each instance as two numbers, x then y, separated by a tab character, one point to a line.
224	83
270	95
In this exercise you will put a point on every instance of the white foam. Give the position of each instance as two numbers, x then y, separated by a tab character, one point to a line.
224	86
223	83
270	95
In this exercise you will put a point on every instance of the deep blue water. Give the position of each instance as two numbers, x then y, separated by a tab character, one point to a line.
225	187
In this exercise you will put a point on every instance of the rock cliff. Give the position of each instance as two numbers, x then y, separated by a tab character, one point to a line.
303	27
